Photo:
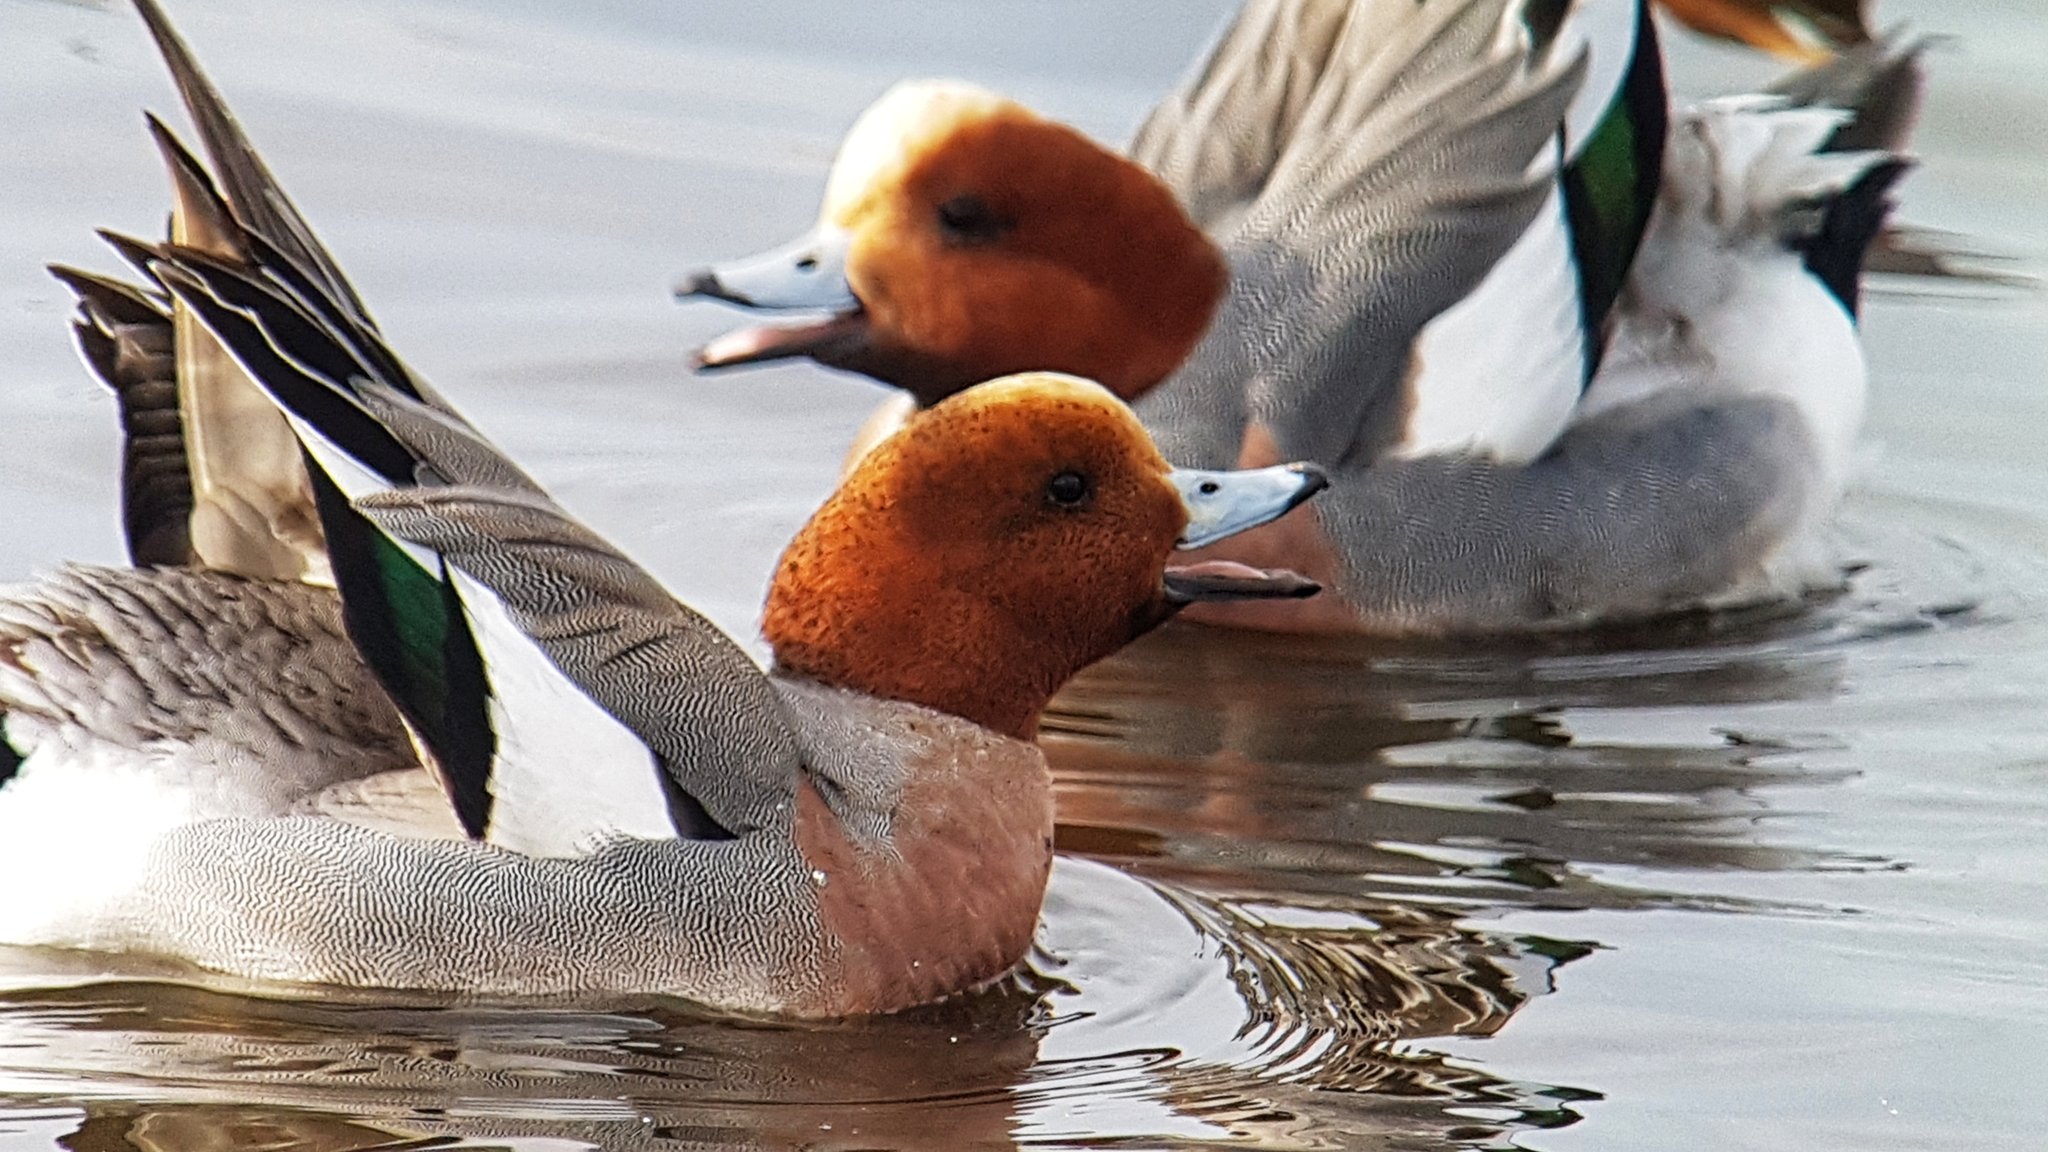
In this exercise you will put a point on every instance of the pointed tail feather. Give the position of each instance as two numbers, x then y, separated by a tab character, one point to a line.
1751	179
125	336
251	197
546	733
259	203
541	746
261	286
399	605
1850	224
1881	84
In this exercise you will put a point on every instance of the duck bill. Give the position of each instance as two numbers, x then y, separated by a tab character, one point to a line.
1222	504
808	275
820	339
1221	581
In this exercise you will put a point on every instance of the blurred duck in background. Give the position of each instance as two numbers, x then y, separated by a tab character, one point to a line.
1567	356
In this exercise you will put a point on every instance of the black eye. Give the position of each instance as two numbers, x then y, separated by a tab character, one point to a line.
969	220
1067	489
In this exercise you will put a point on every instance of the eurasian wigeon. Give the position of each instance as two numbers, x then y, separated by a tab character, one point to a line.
1563	366
496	757
1809	31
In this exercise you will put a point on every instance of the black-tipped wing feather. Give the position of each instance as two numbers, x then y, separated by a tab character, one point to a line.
551	683
259	203
125	335
557	692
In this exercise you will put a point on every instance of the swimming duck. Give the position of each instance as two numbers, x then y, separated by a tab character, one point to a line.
1564	365
444	737
1804	30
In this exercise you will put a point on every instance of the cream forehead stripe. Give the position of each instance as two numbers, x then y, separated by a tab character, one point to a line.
896	129
1049	386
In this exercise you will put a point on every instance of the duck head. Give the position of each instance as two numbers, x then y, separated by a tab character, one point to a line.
1005	539
963	237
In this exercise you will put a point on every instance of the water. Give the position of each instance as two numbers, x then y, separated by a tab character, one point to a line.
1766	882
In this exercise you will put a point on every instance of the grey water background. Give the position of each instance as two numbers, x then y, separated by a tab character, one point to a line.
1775	881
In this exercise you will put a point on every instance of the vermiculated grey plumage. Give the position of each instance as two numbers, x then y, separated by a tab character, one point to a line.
1880	83
617	633
249	683
247	697
1408	178
1629	514
1216	139
1413	165
264	810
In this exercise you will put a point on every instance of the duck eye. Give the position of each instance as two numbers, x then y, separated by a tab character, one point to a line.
969	220
1067	489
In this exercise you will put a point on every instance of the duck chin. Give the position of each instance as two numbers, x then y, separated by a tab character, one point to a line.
929	377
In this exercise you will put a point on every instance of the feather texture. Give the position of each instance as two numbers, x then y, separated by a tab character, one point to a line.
1216	140
126	337
1569	366
485	596
1410	175
273	342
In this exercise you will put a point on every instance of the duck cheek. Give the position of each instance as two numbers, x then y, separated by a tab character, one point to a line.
888	350
1150	605
1044	319
893	271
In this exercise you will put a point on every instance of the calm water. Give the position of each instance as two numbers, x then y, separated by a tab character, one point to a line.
1777	882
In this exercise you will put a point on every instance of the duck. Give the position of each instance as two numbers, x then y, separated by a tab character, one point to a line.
441	737
1569	357
1808	31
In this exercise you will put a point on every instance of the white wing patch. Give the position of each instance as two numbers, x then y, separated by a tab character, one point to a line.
1501	370
354	480
568	775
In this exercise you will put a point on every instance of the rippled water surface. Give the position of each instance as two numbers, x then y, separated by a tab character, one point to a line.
1773	882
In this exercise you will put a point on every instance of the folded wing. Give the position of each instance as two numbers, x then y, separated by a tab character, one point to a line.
1214	141
1498	370
1411	171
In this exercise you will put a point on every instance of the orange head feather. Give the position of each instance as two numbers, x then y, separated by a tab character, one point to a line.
1002	541
983	240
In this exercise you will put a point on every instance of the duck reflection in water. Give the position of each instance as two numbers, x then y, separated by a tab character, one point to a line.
1494	773
1273	1010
